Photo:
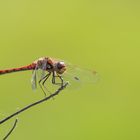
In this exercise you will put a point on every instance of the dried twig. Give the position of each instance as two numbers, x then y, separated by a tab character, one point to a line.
34	104
11	130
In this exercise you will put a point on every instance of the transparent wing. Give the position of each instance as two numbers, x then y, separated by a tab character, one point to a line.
77	77
37	75
40	74
34	80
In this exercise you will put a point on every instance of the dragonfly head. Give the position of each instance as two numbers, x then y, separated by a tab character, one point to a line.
60	67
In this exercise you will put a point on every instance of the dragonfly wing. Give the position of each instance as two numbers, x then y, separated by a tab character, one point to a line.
34	80
38	74
77	77
73	82
41	73
86	76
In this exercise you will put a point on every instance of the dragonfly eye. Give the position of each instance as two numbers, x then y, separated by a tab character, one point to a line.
60	65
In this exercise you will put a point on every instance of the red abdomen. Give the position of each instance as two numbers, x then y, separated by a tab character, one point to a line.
29	67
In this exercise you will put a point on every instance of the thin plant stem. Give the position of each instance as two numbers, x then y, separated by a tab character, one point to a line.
11	130
34	104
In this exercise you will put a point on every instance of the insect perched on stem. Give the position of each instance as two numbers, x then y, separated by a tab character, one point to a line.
46	67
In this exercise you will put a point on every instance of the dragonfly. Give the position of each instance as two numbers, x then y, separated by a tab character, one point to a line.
46	67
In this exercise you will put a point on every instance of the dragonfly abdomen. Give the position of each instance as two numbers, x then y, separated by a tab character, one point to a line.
28	67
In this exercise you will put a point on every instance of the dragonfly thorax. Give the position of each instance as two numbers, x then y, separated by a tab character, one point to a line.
50	65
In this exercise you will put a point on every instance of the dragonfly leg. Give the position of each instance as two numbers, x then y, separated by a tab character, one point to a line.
44	80
54	76
43	83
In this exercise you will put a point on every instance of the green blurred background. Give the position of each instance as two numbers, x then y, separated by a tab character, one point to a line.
103	35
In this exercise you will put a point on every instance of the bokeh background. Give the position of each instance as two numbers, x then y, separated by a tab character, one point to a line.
103	35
